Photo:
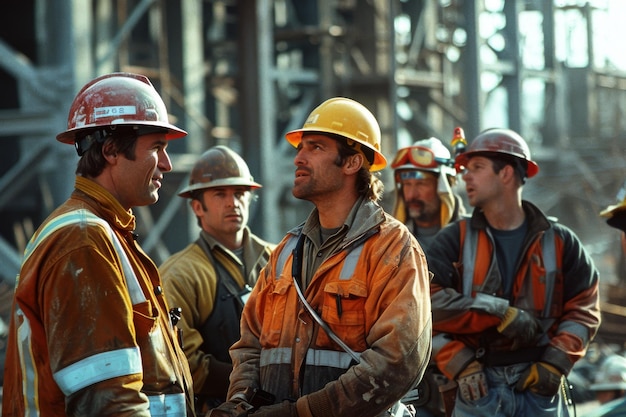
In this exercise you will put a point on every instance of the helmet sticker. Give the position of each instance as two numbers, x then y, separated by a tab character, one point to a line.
113	111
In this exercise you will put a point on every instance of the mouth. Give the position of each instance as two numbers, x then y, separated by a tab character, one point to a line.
233	216
157	181
301	173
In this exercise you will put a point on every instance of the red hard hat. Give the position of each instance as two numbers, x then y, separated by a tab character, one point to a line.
118	99
504	141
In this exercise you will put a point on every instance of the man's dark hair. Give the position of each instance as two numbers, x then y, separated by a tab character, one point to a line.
368	184
92	161
500	160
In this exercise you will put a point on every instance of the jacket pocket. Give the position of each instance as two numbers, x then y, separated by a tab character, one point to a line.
274	312
153	346
344	311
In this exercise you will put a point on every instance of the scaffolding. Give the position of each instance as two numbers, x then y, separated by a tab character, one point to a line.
242	73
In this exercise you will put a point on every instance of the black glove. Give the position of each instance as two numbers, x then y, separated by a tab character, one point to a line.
472	382
541	378
233	408
216	383
284	409
519	326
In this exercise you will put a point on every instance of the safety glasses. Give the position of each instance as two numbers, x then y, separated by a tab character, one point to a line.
419	156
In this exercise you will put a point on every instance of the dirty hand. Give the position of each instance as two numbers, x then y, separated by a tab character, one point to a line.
541	378
472	382
519	326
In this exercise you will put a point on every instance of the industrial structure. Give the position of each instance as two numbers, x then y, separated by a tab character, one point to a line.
243	72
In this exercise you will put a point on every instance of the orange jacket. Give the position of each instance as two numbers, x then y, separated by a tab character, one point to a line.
372	291
87	336
569	311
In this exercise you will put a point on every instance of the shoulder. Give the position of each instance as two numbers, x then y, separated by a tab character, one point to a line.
185	262
261	243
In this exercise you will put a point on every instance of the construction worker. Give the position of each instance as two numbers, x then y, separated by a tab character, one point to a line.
615	215
91	332
515	292
424	177
211	278
339	322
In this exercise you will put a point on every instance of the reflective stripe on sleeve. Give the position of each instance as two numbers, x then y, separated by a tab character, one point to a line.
98	368
170	405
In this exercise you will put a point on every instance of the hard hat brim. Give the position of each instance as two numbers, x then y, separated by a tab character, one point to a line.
294	137
187	192
172	132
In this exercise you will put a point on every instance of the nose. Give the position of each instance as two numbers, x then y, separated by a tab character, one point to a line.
165	164
232	200
299	158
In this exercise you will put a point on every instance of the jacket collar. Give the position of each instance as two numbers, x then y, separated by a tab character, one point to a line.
105	205
537	221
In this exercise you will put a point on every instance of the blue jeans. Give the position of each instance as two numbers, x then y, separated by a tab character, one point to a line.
503	401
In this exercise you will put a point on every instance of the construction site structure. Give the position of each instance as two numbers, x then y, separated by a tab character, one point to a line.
241	73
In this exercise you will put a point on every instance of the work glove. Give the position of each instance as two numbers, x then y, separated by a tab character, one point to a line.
284	409
233	408
541	378
216	383
519	326
472	382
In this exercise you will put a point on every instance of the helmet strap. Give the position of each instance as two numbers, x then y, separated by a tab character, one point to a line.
85	143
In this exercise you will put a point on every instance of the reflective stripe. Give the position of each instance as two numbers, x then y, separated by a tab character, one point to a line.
314	357
276	356
84	216
439	341
27	362
98	368
329	358
548	251
350	263
347	269
469	258
170	405
290	245
549	263
575	329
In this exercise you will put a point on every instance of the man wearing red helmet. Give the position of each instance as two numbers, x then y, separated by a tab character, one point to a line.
514	291
91	332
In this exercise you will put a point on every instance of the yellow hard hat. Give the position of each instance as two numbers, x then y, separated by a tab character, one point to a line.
346	118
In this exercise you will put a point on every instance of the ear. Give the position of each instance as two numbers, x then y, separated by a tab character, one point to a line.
508	173
353	163
109	152
196	206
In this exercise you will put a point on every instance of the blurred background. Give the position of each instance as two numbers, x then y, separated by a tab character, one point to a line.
243	72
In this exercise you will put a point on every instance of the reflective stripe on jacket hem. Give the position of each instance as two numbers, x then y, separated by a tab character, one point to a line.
170	405
314	357
98	368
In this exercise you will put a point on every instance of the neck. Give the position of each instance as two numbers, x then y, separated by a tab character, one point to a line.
231	241
505	216
334	211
